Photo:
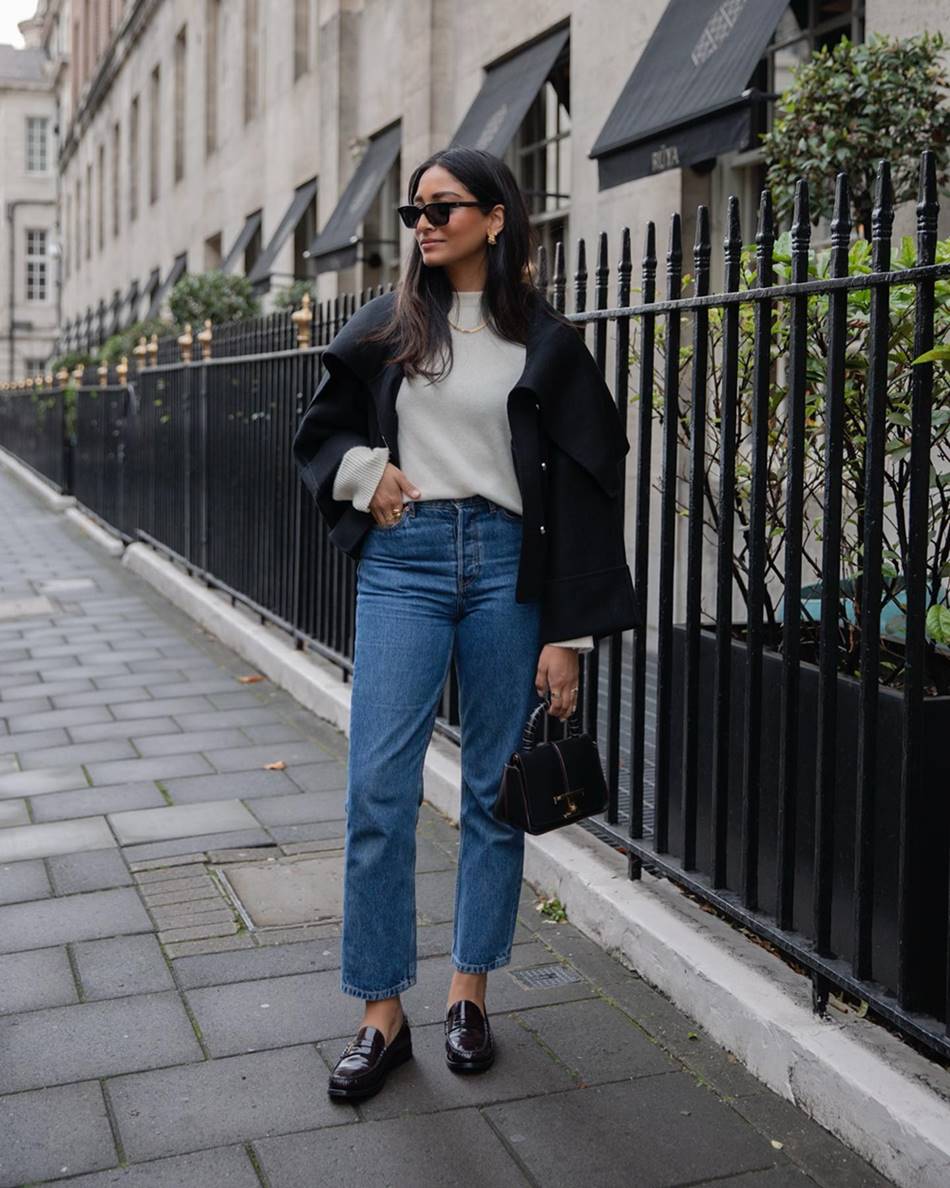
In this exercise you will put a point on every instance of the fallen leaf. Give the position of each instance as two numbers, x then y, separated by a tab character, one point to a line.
252	679
279	765
777	1145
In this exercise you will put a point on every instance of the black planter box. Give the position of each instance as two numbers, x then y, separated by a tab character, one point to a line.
929	846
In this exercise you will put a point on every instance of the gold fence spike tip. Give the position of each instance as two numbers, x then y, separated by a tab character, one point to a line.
186	343
122	369
62	376
103	372
302	319
204	337
153	350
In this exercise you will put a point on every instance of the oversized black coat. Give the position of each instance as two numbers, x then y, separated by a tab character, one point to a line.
567	443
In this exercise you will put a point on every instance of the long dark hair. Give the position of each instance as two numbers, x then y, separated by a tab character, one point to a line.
419	329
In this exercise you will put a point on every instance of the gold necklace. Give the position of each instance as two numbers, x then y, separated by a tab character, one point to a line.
471	330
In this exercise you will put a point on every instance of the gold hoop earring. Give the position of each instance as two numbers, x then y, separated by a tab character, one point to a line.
491	237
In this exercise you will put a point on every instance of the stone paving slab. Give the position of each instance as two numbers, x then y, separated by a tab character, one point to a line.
53	1132
113	798
23	881
36	740
156	767
121	965
71	918
249	784
674	1132
441	1151
298	808
37	979
13	812
94	1039
189	820
175	1110
94	870
36	783
229	1166
37	841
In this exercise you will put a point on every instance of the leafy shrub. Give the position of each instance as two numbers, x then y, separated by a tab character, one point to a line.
852	105
215	295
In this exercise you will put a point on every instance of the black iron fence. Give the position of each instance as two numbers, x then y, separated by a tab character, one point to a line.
774	742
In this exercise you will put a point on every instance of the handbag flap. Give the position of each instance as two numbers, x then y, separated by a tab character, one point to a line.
549	796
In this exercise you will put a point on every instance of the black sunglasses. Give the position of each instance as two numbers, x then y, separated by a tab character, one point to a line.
436	212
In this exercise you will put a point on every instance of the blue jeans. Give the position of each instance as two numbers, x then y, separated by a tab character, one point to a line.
440	581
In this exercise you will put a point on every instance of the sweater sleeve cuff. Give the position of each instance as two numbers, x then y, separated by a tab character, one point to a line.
583	643
358	475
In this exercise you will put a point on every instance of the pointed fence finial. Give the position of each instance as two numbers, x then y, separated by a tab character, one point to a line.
702	249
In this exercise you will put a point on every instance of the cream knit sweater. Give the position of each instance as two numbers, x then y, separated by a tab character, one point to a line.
454	437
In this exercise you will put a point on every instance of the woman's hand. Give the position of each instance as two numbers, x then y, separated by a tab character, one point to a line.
387	497
558	670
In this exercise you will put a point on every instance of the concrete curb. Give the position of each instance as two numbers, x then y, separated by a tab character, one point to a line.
39	486
879	1096
113	545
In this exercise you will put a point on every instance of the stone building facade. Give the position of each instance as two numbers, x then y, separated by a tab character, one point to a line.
275	137
29	313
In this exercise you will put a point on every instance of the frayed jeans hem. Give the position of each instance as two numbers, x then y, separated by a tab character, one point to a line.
374	995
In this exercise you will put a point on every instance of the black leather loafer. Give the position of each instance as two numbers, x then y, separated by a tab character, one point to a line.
468	1040
365	1061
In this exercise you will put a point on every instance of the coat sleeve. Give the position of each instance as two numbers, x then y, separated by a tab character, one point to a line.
335	420
588	588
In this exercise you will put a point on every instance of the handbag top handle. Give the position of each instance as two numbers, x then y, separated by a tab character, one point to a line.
534	721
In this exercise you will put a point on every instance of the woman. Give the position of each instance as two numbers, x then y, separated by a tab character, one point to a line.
487	523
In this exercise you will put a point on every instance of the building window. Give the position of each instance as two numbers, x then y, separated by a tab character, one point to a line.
540	158
301	37
154	127
36	266
116	149
101	199
380	247
212	38
251	59
181	58
89	212
67	236
213	252
253	249
78	237
37	144
134	160
805	27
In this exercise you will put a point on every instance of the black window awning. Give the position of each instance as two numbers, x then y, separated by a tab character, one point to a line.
174	274
303	196
239	247
509	89
336	245
116	305
688	97
132	303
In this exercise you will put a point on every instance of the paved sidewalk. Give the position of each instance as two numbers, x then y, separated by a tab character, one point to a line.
152	1034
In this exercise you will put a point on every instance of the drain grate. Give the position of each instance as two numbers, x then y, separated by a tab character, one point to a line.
539	977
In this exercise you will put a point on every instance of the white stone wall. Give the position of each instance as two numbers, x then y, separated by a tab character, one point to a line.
34	196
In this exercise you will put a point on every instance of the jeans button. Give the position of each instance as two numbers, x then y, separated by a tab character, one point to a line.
542	530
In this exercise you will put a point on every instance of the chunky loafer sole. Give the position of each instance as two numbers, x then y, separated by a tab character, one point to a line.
363	1085
468	1064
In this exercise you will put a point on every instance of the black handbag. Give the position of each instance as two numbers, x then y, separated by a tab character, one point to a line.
551	783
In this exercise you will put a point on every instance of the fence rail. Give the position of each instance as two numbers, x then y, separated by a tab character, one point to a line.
774	740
